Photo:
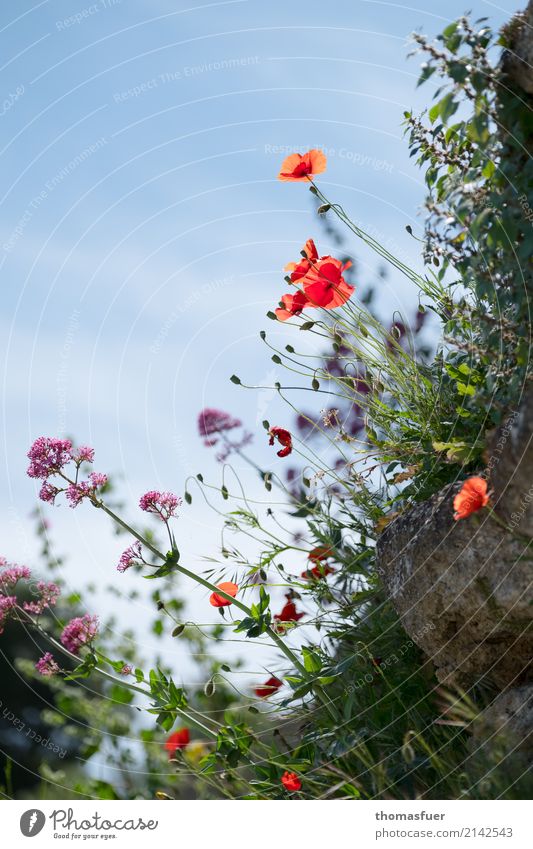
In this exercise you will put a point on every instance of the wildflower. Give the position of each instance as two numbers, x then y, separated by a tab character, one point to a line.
46	665
179	739
162	504
227	587
317	572
47	456
284	438
48	492
299	269
291	782
324	284
292	305
14	574
130	557
471	497
196	751
320	281
79	631
83	454
212	421
126	669
288	612
268	688
302	166
321	552
7	604
49	594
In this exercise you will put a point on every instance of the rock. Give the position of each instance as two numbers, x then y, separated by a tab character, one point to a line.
509	719
462	590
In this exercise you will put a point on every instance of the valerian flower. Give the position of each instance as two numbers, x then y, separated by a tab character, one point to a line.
12	575
283	437
471	497
48	456
302	166
130	557
48	596
213	426
270	687
79	631
46	665
227	587
179	739
291	782
162	504
8	604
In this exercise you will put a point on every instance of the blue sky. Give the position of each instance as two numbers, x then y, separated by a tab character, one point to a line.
143	231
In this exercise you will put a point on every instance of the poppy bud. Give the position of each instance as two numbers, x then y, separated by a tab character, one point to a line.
179	629
324	208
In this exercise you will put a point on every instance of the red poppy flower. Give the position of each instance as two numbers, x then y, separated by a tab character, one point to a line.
288	612
471	497
301	166
291	782
227	587
299	269
321	552
268	688
284	438
324	285
292	305
179	739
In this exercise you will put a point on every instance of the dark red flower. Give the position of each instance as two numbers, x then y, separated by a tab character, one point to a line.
288	612
179	739
268	688
317	572
321	552
284	438
301	166
291	782
227	587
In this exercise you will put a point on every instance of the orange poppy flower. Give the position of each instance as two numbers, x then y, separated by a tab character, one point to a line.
301	166
471	497
290	781
268	688
227	587
179	739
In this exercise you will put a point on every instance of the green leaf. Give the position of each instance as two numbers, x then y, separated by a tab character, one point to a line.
312	662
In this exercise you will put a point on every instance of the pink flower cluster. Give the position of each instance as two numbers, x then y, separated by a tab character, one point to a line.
162	504
7	604
213	424
11	576
79	631
48	596
46	665
212	421
48	457
132	556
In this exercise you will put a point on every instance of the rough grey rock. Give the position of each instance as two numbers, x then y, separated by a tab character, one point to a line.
463	591
509	718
